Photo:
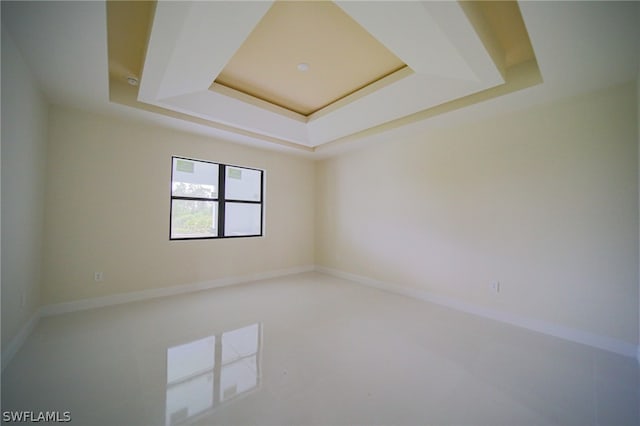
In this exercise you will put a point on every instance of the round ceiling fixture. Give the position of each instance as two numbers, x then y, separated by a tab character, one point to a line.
302	66
132	81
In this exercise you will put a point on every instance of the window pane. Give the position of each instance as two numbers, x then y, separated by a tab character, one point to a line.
238	377
194	179
242	219
190	373
190	359
243	184
188	398
240	343
239	361
193	219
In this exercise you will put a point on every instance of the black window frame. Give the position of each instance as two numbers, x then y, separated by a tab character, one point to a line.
222	200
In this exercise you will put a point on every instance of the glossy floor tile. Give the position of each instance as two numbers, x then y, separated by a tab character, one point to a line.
311	350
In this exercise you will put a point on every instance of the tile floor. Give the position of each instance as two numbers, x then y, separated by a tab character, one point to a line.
311	349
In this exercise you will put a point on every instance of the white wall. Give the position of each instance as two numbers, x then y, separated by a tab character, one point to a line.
108	196
24	136
545	201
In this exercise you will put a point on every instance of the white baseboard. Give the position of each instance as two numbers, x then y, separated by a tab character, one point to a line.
116	299
18	340
575	335
567	333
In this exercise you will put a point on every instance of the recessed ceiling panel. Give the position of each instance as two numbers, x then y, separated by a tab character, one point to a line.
304	56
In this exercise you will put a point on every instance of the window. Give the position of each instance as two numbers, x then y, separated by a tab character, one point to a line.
211	200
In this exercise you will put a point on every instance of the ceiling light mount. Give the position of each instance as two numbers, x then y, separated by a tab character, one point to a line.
303	67
132	80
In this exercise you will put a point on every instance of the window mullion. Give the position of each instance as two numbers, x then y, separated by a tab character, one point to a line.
222	172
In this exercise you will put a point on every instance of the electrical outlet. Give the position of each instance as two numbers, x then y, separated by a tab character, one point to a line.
495	286
98	277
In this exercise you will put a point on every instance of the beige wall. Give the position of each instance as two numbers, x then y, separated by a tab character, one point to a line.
24	136
108	209
545	201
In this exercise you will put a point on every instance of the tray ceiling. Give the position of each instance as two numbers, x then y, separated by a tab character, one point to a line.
372	65
303	56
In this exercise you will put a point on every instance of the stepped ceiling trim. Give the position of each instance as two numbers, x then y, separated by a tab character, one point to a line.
438	55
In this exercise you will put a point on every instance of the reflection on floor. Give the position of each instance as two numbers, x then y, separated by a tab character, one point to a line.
204	373
311	350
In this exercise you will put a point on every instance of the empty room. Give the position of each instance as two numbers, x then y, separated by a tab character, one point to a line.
320	213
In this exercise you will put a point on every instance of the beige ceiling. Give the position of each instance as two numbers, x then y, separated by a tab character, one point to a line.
342	57
127	36
505	20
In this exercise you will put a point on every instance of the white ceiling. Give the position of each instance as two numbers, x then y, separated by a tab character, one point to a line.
580	46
